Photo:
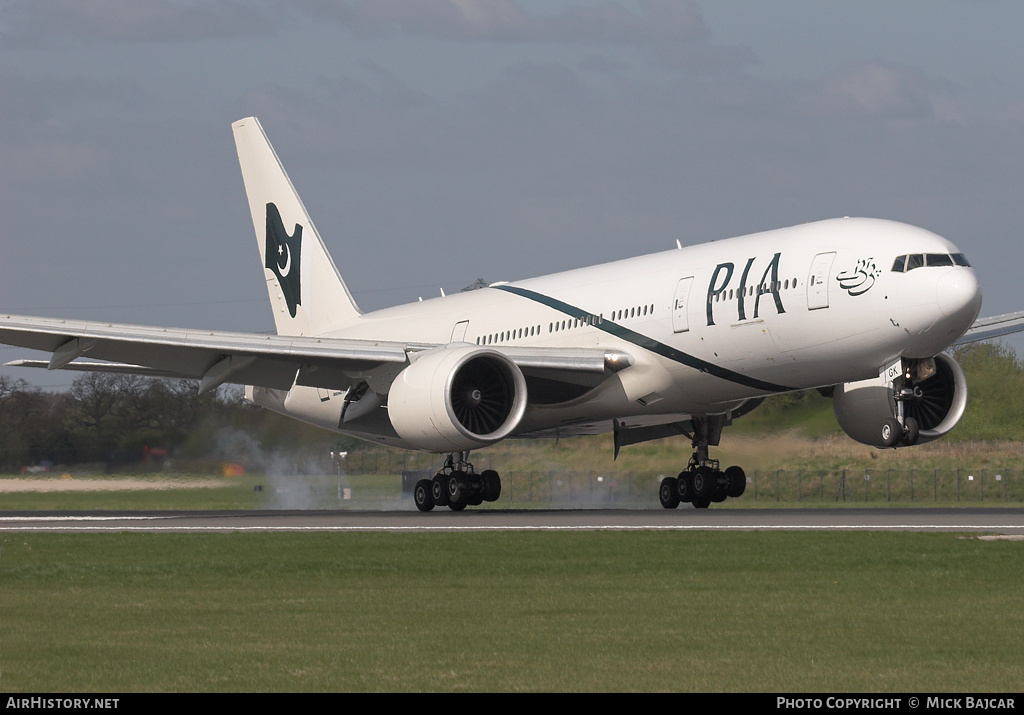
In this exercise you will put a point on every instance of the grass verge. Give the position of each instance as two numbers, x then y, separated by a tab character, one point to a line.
873	612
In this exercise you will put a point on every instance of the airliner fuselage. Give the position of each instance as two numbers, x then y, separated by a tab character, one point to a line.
708	326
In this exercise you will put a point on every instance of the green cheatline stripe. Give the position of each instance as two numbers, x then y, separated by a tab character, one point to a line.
647	343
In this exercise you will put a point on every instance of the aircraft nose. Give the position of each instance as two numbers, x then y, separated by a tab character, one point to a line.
959	295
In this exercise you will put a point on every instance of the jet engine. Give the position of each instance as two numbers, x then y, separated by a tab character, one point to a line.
934	396
457	398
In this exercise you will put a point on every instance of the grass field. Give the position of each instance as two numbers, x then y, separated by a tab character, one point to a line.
849	612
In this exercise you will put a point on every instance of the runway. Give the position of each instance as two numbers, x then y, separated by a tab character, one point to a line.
1003	521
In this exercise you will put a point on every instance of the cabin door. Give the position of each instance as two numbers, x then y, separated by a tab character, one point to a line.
681	305
817	280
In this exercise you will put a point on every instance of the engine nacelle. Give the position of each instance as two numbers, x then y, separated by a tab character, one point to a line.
458	398
937	404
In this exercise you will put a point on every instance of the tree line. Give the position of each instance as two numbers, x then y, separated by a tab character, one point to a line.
115	420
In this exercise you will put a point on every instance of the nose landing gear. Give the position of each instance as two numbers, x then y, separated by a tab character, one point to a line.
903	430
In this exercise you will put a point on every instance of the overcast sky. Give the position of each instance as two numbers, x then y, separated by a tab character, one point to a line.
438	141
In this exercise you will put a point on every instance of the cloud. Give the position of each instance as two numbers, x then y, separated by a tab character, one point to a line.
504	20
674	29
881	90
33	22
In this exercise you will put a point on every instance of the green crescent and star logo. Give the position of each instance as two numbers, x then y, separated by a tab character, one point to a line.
282	257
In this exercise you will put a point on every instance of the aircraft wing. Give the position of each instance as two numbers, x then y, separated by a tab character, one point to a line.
994	327
273	361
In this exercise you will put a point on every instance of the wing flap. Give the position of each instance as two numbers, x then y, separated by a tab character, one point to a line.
116	368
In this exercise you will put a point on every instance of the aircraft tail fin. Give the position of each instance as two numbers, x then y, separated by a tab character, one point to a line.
306	290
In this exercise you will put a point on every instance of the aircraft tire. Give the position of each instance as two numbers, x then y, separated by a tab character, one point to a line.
457	490
492	485
703	482
890	432
421	494
684	485
668	493
701	502
911	432
474	490
439	490
737	481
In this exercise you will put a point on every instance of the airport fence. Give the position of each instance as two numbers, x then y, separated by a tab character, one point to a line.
560	487
887	485
380	479
765	487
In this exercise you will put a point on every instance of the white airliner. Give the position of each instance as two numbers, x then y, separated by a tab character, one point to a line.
676	343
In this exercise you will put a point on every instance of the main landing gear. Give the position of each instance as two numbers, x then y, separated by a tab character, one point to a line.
457	485
702	482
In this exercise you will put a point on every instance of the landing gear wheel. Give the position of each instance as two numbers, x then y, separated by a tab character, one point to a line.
911	432
422	495
685	487
703	483
457	491
737	481
668	493
492	485
439	490
720	492
701	502
891	432
474	490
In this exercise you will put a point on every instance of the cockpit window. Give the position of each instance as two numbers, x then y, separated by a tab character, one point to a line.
918	260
